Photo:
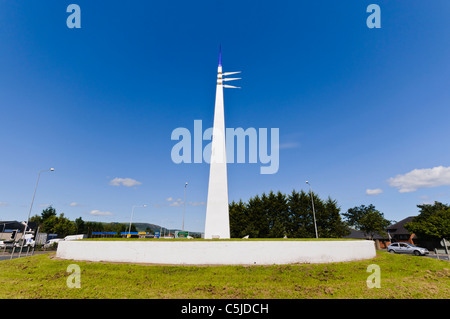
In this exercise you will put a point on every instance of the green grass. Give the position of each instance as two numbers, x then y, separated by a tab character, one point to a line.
403	277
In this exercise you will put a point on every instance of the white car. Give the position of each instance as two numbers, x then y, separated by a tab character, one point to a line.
6	244
406	248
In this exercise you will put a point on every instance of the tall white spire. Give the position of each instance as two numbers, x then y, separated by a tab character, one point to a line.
217	224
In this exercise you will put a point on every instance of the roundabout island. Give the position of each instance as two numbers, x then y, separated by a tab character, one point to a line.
217	248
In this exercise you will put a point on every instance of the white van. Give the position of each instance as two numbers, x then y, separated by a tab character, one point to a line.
75	237
51	242
27	240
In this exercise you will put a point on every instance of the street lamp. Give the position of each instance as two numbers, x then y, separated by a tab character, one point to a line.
184	209
132	212
31	206
314	213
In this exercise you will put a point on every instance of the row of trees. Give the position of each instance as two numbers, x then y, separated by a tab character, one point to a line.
277	215
49	222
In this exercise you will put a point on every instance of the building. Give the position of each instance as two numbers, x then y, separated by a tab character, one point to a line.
13	230
395	233
398	232
380	241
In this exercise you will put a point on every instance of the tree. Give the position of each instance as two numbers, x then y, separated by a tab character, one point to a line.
58	225
36	219
48	225
255	220
330	223
80	226
432	223
367	219
301	223
238	220
45	215
48	213
64	226
277	211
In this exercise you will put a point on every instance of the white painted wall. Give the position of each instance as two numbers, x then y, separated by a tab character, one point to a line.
217	252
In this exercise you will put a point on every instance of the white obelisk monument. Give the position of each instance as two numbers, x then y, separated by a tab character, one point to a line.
217	224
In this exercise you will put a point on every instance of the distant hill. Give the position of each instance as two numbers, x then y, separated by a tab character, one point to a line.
145	227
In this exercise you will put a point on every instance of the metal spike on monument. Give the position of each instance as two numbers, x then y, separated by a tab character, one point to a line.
230	79
217	224
230	73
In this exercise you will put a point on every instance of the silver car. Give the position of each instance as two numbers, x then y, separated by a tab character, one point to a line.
406	248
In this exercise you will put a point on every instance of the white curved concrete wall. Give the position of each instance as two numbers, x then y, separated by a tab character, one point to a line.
217	252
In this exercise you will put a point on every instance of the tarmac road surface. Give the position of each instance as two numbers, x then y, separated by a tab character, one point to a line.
7	255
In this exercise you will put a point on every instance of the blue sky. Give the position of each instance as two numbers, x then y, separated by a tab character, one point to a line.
358	109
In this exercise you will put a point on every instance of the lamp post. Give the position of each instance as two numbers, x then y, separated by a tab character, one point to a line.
184	209
131	219
314	213
31	206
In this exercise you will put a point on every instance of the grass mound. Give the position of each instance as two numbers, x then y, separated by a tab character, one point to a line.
403	277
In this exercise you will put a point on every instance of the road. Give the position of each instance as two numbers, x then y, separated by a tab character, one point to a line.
7	255
441	257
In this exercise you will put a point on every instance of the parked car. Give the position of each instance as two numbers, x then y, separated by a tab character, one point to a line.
406	248
52	242
6	244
